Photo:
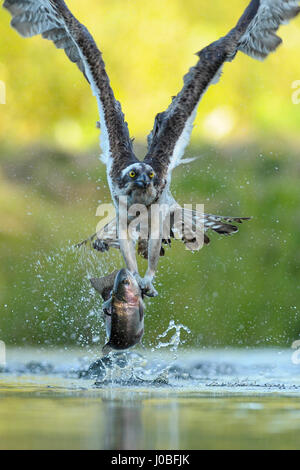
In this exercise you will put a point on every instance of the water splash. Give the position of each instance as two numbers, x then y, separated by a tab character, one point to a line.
175	339
64	308
119	368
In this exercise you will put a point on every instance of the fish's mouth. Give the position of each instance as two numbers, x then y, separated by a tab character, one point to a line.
125	281
123	276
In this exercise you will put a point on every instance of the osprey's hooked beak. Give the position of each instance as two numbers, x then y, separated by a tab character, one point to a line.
142	181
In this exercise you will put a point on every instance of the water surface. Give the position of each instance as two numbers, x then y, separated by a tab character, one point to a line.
203	400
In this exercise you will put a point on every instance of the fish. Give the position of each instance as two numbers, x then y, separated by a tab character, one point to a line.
123	309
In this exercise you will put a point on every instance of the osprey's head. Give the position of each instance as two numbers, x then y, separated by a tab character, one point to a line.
138	181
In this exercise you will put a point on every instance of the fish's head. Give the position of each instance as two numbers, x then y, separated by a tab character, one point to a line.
126	288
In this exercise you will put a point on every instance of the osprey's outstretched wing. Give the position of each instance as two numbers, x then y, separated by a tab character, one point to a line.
255	35
54	21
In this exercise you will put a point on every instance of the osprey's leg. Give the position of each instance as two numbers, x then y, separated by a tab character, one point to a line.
154	247
127	247
129	255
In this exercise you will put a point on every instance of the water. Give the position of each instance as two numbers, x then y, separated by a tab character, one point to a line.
149	400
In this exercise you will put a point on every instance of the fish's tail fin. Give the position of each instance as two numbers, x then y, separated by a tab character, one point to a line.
104	285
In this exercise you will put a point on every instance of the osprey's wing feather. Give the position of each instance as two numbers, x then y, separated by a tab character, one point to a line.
260	38
254	35
54	21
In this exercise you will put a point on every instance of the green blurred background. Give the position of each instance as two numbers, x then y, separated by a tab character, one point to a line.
239	291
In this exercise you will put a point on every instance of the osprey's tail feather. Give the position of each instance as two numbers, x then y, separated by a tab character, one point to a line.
196	224
194	236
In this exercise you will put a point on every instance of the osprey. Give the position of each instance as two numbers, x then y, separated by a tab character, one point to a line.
148	182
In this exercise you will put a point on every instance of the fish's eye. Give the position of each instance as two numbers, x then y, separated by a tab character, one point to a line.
151	175
132	174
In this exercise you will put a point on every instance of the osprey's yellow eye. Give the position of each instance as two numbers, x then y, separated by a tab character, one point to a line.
151	175
132	174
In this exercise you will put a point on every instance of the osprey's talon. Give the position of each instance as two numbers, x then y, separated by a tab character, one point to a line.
150	291
148	288
106	306
99	245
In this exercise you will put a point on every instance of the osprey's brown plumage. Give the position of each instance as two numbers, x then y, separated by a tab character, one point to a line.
254	35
